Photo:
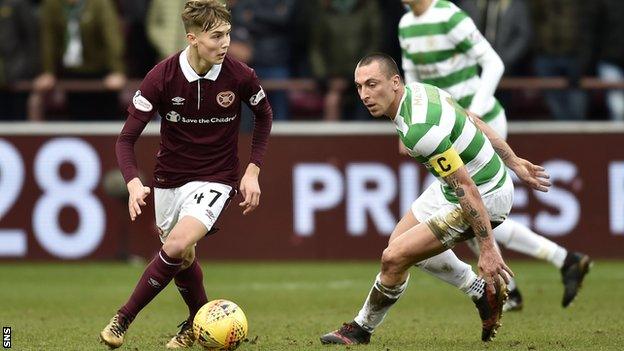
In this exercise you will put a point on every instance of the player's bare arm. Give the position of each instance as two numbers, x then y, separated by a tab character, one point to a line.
137	193
533	175
250	189
491	263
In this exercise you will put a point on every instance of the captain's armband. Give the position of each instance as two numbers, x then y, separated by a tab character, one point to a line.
446	163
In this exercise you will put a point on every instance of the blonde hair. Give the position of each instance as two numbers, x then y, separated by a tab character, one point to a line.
204	14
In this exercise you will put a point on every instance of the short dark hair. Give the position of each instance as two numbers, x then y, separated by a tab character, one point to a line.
386	61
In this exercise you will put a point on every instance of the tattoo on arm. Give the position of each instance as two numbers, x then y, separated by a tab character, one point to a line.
473	216
500	146
453	182
460	192
503	152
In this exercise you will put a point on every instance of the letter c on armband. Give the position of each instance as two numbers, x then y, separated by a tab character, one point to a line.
446	163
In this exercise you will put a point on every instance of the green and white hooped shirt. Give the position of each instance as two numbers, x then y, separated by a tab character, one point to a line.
430	123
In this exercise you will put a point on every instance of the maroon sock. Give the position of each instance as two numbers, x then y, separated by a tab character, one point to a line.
155	278
191	287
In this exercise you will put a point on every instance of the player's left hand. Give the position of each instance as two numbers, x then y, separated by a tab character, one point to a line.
532	175
250	189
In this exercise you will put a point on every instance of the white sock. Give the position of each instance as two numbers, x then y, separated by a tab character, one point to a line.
378	303
476	289
447	267
517	237
474	246
512	284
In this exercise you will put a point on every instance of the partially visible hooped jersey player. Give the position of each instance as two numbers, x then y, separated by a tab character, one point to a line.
198	92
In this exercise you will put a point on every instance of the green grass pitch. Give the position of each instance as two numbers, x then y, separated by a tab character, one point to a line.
289	305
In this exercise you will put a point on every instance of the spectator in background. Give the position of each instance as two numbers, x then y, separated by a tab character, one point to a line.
558	52
391	13
604	28
140	53
344	31
506	24
240	38
81	40
300	38
18	48
164	28
18	41
269	23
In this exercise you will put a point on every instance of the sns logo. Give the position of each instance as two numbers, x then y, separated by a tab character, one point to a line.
141	103
6	337
172	116
255	99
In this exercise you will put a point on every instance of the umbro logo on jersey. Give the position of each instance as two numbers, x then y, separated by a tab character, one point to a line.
153	282
178	101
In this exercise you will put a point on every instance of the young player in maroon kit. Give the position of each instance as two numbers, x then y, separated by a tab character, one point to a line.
198	92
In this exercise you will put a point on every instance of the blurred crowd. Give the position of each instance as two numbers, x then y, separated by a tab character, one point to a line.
114	42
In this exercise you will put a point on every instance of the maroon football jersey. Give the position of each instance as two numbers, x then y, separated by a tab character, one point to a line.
200	121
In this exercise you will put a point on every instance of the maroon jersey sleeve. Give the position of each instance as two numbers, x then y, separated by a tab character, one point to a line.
144	104
254	97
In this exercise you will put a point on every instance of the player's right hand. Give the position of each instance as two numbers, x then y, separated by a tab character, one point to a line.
137	193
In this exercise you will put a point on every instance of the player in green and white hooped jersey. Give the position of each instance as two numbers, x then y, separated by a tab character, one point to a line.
474	193
441	46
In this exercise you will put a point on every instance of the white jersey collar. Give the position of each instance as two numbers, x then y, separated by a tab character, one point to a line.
399	122
398	113
190	73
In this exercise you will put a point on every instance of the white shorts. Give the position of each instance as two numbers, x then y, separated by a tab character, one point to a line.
203	201
445	218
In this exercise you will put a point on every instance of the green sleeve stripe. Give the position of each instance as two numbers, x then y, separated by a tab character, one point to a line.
460	120
500	182
406	107
415	133
455	20
453	78
472	150
443	146
495	111
434	108
464	46
465	101
488	171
